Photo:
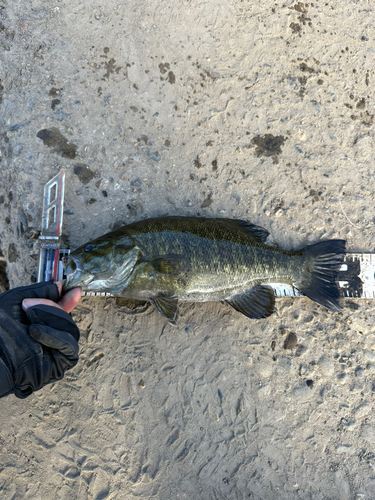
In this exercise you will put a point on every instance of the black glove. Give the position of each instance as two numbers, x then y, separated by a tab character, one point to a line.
36	346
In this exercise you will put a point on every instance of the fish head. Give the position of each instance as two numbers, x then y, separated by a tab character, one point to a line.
100	265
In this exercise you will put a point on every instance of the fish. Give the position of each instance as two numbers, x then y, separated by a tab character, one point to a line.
168	260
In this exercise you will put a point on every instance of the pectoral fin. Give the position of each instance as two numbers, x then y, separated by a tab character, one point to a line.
258	302
167	307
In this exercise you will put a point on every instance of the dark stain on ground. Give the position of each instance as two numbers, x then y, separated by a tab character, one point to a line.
84	173
361	103
207	201
111	67
12	253
302	90
303	19
7	36
214	165
303	67
143	138
54	139
55	92
369	119
164	67
268	144
171	77
303	79
197	162
295	27
1	93
291	341
54	103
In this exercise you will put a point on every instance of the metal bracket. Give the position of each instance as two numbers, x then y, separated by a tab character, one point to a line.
50	254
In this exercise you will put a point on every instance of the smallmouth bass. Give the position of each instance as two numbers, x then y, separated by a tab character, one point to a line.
169	259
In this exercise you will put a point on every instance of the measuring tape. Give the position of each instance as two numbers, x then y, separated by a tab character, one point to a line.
356	277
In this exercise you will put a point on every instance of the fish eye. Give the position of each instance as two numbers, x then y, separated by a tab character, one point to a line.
89	247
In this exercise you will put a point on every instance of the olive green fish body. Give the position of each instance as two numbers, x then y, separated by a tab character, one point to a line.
171	259
210	264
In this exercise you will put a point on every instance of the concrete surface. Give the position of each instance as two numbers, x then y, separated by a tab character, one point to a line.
260	110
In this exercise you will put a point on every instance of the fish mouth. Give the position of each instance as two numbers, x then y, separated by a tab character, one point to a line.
74	275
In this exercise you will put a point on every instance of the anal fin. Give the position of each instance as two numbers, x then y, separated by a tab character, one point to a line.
258	302
167	307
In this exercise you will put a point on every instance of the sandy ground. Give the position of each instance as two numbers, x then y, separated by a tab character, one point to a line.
260	110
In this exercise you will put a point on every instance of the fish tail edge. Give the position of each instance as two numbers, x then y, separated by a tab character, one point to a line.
319	273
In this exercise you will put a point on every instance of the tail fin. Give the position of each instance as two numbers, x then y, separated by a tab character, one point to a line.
319	272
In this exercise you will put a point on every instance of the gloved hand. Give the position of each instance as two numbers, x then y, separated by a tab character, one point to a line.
38	338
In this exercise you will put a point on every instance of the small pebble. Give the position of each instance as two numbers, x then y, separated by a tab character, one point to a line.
369	355
362	410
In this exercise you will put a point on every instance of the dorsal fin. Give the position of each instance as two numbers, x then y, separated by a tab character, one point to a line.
258	233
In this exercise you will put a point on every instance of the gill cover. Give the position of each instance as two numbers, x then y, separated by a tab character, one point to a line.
101	265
